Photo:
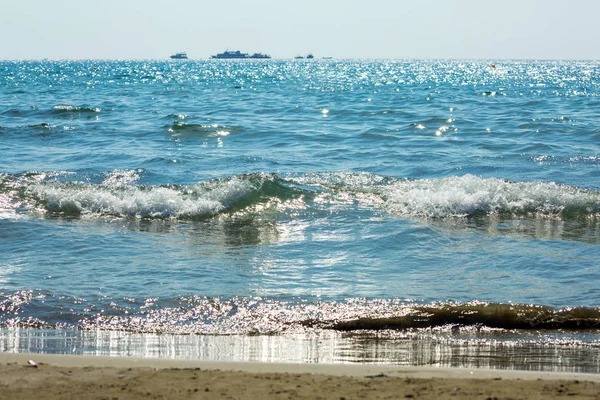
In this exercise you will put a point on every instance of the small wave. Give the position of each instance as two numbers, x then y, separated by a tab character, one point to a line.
468	195
491	315
441	199
118	196
492	93
43	125
68	109
386	112
180	116
189	129
465	196
593	159
250	315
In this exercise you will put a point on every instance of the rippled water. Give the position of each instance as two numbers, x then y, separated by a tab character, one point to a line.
302	198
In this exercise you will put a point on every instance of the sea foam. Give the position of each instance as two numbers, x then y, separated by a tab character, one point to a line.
468	195
81	199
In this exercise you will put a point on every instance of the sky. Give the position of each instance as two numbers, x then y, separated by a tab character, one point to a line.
365	29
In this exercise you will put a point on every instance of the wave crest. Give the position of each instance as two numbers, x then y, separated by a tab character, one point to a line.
254	315
468	195
461	196
203	130
67	109
198	201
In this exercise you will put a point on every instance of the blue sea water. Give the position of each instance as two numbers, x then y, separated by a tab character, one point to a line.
419	204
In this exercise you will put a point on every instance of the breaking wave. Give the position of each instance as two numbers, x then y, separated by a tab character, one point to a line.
118	197
465	196
470	195
250	315
69	109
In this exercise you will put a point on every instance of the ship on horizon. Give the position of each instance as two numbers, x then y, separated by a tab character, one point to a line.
310	56
231	54
179	56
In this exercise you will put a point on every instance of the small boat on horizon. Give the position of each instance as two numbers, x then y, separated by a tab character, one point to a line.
309	56
179	56
260	55
230	54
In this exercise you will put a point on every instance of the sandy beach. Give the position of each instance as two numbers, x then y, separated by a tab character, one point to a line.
26	376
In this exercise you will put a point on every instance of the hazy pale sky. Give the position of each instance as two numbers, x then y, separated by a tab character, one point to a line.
136	29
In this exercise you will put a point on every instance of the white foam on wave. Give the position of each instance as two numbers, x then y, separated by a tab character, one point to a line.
121	178
461	196
139	201
63	107
355	180
7	207
457	196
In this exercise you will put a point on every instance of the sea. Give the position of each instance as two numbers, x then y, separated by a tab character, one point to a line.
437	213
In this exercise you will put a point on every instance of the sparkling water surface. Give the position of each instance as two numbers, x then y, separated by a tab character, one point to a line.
289	197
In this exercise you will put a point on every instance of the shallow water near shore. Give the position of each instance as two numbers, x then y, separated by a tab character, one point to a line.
413	212
547	352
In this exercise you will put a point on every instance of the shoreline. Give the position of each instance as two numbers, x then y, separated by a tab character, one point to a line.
95	377
341	369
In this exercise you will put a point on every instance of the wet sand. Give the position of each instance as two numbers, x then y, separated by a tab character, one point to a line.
90	377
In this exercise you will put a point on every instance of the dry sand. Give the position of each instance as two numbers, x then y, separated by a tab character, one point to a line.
88	377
